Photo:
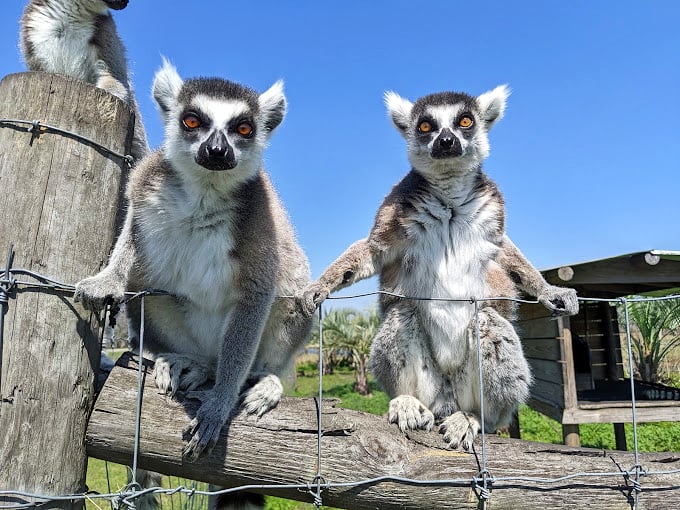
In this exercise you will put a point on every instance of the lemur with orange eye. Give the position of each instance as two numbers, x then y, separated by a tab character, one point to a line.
439	236
205	224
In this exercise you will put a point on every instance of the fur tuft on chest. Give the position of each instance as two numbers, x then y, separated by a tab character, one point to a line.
189	252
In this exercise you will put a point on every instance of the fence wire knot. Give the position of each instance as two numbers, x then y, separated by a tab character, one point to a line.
314	489
483	491
7	283
633	476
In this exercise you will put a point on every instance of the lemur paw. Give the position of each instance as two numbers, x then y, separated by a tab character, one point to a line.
460	430
559	300
409	413
204	430
313	295
264	396
96	291
175	372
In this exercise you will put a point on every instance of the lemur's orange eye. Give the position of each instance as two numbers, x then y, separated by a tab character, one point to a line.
465	121
244	129
424	127
191	121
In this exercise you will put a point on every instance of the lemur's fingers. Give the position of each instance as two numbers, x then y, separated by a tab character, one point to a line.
204	436
206	427
409	413
560	300
460	429
95	292
313	295
264	396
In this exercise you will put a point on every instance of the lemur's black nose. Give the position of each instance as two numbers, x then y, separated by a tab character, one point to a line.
217	145
446	139
447	145
446	142
216	153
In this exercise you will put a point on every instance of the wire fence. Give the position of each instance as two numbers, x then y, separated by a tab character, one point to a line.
633	476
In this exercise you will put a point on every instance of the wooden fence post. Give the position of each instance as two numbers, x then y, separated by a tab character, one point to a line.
59	199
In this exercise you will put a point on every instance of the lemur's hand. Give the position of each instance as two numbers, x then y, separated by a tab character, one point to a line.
313	295
204	430
559	300
96	291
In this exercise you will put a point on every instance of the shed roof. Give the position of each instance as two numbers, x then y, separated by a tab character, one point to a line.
652	272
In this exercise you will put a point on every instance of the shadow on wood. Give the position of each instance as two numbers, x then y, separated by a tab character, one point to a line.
281	448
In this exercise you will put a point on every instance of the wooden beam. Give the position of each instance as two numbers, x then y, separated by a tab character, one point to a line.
621	412
281	448
623	271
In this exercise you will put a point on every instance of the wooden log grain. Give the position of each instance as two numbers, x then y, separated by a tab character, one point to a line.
281	448
58	198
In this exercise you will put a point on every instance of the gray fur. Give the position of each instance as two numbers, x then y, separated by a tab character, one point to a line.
79	38
439	234
218	239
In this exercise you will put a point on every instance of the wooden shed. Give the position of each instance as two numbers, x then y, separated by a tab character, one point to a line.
577	362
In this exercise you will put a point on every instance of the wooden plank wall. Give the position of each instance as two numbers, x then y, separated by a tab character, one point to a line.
541	343
597	324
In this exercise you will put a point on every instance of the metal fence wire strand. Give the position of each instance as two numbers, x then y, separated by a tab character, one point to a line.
637	468
36	128
315	486
482	483
484	491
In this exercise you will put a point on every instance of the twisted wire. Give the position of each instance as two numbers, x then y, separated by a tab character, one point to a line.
482	482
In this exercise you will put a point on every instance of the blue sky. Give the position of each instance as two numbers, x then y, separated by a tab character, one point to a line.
588	153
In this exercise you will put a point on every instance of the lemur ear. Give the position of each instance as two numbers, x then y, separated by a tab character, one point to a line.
166	87
273	106
492	104
399	110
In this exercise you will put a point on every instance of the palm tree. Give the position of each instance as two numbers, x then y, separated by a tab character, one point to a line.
351	333
655	332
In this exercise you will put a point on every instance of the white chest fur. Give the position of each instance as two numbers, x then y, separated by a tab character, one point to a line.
62	41
448	258
187	248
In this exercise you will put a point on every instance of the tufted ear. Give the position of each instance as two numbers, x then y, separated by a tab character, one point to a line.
166	87
492	104
273	106
399	110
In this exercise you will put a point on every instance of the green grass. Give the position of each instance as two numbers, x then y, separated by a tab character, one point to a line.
339	385
534	427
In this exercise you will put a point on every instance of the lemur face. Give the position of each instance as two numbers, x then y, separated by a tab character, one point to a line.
444	125
214	124
447	130
219	131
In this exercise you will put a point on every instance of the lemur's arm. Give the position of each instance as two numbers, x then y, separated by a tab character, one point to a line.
110	283
237	352
559	300
361	260
355	264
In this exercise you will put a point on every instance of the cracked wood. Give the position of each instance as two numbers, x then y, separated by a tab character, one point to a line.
281	448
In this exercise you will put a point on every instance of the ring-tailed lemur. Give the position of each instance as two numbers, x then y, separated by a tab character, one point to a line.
79	38
205	224
440	233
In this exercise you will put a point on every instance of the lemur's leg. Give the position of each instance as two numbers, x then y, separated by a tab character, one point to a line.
506	378
402	365
286	332
174	372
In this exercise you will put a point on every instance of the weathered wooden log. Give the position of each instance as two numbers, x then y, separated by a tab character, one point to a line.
281	448
58	201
